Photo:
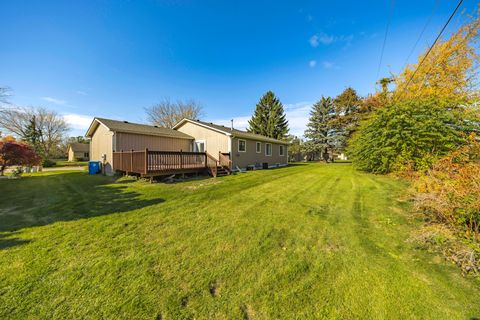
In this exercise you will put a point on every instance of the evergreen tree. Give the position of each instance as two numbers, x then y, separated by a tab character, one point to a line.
269	118
33	135
321	129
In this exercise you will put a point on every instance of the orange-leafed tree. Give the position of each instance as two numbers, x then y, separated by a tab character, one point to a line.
15	153
449	70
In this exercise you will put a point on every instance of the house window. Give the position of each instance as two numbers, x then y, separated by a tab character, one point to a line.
281	151
268	149
85	155
258	146
242	146
199	146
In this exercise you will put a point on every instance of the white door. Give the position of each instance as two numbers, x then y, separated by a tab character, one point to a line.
199	146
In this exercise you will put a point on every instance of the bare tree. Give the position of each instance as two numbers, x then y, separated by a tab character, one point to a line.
50	124
4	95
167	113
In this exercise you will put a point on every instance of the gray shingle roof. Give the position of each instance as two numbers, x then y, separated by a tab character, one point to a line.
240	133
129	127
80	147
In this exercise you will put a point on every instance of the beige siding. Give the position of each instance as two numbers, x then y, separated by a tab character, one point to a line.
129	141
214	141
101	143
71	154
251	157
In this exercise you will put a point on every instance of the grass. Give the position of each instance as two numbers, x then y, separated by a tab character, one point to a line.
66	163
308	241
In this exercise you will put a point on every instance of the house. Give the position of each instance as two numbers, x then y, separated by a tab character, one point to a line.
191	146
340	156
244	148
78	152
107	136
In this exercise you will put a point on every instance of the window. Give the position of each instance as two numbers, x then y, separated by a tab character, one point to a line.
85	155
281	151
242	146
258	147
199	146
268	149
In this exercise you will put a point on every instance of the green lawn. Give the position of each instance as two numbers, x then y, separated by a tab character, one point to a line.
308	241
66	163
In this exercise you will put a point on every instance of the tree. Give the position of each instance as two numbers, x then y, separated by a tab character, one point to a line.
269	118
408	135
50	124
449	71
33	135
4	95
347	108
167	114
15	153
294	148
321	130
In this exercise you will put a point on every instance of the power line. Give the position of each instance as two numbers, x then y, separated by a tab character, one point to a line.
435	6
385	38
435	42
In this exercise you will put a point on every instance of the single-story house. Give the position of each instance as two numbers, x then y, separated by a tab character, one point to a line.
191	145
245	148
78	151
108	136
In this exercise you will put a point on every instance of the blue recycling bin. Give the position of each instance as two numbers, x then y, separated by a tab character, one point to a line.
94	167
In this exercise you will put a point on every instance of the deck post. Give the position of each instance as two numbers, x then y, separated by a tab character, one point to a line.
121	160
181	159
146	161
131	161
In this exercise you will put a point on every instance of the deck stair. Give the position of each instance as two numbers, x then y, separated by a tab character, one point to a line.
222	171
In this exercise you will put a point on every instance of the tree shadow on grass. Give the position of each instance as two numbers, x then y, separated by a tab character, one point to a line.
42	200
10	242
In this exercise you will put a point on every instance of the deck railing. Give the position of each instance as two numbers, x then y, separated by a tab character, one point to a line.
151	163
224	160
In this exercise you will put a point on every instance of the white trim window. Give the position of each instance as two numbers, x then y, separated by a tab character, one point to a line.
281	150
242	145
268	149
199	146
258	147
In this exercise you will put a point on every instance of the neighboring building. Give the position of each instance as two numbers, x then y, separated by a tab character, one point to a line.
108	136
78	152
245	149
340	156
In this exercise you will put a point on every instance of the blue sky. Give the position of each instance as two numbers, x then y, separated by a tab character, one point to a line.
113	58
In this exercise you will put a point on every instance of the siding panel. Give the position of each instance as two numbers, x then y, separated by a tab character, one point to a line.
251	157
129	141
214	141
100	144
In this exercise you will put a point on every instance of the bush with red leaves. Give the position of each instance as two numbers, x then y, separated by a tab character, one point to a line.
17	154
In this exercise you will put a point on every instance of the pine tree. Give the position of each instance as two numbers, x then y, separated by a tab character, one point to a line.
33	135
321	128
269	118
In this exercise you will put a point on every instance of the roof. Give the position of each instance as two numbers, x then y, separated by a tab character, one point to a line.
136	128
80	147
228	131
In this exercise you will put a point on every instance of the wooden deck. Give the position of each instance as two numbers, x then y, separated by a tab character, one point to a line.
148	163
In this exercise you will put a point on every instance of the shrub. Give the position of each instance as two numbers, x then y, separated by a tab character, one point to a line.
15	153
450	191
408	135
17	172
48	163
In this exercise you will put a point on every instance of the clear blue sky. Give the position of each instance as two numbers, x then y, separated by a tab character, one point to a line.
113	58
